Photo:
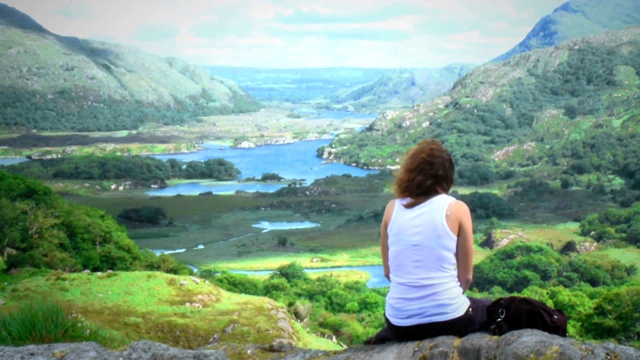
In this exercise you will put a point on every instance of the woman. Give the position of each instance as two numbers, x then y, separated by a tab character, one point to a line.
426	241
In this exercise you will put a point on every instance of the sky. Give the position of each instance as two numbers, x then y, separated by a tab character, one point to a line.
300	33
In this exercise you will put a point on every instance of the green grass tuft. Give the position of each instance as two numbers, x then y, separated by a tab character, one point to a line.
44	321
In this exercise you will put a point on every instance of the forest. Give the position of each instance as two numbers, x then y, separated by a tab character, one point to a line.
134	168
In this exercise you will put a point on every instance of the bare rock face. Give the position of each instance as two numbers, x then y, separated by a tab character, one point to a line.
521	344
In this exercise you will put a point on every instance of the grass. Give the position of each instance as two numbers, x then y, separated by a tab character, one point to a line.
174	310
43	320
555	234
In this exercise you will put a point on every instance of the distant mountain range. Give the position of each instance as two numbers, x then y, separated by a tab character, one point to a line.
52	82
399	89
405	88
575	19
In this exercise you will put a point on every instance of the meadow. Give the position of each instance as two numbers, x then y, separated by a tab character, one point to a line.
348	234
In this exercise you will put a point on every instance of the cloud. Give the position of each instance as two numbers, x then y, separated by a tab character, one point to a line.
300	33
156	33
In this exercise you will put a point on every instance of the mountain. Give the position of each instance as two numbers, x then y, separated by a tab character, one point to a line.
576	19
52	82
400	89
297	85
565	112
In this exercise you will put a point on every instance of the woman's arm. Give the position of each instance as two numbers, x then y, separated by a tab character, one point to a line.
461	216
384	238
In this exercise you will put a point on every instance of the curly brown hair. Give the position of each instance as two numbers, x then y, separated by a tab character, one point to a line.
427	170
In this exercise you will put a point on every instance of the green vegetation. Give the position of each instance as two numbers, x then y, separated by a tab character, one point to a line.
574	114
56	83
347	310
517	267
180	311
41	230
352	312
152	215
146	170
614	224
44	321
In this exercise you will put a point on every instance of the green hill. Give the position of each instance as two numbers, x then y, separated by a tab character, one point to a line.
401	89
52	82
180	311
576	19
566	111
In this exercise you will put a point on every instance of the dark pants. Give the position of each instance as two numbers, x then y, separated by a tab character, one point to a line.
463	325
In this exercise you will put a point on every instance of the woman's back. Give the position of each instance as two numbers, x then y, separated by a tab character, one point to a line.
422	261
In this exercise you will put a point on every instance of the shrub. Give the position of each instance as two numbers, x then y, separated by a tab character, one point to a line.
147	214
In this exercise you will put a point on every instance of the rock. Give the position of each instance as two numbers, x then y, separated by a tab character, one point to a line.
521	344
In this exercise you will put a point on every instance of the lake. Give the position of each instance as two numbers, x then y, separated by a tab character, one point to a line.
296	161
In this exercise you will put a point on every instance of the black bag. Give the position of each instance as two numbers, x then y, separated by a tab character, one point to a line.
515	313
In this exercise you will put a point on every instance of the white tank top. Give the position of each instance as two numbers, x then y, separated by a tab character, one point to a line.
422	260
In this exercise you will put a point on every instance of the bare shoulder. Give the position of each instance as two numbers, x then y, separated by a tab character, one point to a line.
390	204
459	209
461	206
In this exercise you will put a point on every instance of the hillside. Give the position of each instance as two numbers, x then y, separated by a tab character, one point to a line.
53	82
400	89
570	110
181	311
576	19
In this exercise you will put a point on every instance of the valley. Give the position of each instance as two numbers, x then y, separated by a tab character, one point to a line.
165	182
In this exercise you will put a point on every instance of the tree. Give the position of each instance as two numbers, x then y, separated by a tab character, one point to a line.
292	272
147	214
615	316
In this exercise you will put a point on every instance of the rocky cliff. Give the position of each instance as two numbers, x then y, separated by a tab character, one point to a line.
522	344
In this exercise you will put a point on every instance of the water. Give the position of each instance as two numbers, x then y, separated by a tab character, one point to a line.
11	161
284	225
296	161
